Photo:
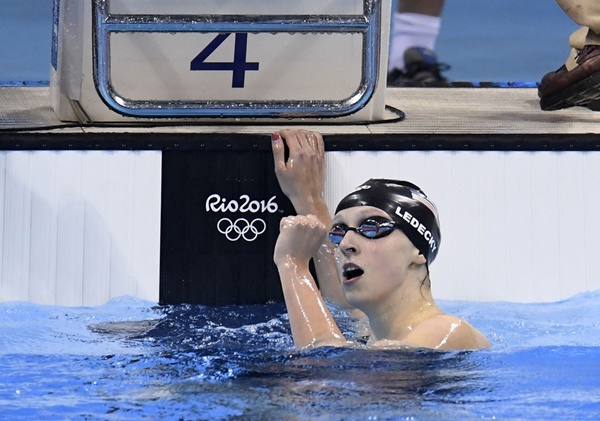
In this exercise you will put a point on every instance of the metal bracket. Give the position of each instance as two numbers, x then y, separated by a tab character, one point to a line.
368	24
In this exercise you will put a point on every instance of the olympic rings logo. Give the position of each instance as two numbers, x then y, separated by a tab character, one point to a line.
241	228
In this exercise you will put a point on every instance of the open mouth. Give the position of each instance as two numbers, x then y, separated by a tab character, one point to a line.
351	271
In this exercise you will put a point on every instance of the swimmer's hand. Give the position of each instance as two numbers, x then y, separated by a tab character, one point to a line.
299	238
301	175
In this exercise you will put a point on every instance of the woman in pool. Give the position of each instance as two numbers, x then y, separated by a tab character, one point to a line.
385	234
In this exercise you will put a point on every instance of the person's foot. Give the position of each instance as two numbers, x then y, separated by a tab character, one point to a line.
580	86
594	105
421	69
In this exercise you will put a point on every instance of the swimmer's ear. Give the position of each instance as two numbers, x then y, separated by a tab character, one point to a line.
420	259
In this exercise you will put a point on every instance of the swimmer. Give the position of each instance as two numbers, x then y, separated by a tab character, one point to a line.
373	256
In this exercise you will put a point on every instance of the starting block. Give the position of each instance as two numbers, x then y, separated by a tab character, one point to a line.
139	60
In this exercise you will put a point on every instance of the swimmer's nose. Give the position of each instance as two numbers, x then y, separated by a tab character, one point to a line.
347	245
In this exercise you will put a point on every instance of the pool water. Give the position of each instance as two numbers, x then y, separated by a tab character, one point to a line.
131	360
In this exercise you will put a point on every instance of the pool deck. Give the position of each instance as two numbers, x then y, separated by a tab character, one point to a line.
462	112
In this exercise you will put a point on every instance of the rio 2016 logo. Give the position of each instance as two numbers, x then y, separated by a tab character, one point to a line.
241	228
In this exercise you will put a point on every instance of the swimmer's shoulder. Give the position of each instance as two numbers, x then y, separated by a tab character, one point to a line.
447	332
456	333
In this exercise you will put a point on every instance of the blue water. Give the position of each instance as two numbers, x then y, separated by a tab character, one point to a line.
130	360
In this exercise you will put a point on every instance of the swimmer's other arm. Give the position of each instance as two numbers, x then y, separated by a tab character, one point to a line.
301	177
310	320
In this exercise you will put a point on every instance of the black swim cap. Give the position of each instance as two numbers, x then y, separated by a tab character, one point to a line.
407	205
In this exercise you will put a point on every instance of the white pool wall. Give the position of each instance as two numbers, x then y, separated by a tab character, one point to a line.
82	227
79	228
516	226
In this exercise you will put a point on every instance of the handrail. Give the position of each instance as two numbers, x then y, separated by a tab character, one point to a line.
369	25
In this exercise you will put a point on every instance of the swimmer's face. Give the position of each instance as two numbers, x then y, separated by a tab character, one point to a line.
371	270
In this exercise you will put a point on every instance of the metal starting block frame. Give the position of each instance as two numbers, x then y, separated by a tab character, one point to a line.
118	60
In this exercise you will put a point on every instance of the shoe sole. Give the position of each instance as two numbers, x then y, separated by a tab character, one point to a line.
578	94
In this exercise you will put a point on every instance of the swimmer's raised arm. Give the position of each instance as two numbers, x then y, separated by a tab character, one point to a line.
302	179
311	322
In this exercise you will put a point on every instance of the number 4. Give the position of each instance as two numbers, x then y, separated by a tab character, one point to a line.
239	66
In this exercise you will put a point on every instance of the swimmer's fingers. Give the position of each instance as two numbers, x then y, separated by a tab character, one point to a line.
312	141
310	222
300	237
317	146
320	148
277	147
302	144
294	142
310	144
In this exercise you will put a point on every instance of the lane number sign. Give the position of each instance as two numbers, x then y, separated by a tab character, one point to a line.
239	66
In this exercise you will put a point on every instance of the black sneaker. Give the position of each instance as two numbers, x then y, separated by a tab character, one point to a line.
422	69
594	105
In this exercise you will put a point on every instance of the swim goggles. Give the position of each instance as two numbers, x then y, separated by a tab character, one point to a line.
372	228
